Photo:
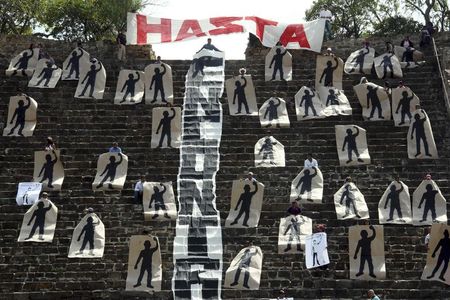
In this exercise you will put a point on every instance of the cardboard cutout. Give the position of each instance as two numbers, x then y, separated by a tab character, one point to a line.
278	64
144	264
28	193
39	222
395	205
111	171
374	101
166	127
48	170
316	252
24	63
308	104
273	113
21	119
88	239
420	138
269	153
46	75
366	252
159	201
329	71
241	96
158	84
360	61
244	272
409	57
92	81
76	63
308	186
246	204
130	87
292	233
350	203
438	255
387	65
404	103
334	102
351	143
429	205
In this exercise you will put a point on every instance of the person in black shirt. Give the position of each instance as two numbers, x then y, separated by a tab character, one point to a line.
121	42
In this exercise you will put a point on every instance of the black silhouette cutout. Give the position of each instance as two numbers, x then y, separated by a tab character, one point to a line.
332	98
46	73
350	141
110	170
157	79
278	67
387	64
39	220
47	169
394	197
158	197
294	233
130	84
272	111
239	92
372	97
205	61
22	63
89	232
146	256
316	241
366	252
308	99
444	256
244	264
267	151
20	114
430	203
74	64
245	200
359	61
419	128
91	78
328	72
165	124
306	182
404	104
349	198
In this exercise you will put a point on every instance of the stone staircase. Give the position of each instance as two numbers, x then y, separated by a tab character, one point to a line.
85	128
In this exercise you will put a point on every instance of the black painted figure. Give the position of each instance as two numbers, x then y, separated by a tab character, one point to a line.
394	197
165	124
146	255
130	84
244	265
239	93
306	182
419	128
387	64
328	72
308	99
245	200
39	220
46	73
22	63
430	203
158	198
272	111
365	244
444	256
349	198
19	115
267	151
91	76
359	61
110	171
350	141
372	97
294	233
157	79
89	233
332	98
205	61
404	105
74	64
278	66
47	169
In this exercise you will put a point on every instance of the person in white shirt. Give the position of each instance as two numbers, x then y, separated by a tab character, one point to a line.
310	162
139	190
326	14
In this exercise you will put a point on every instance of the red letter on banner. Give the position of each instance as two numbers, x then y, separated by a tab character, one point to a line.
165	29
226	23
187	26
260	23
294	33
